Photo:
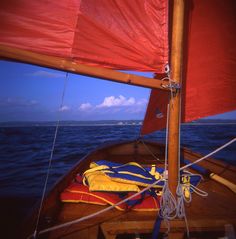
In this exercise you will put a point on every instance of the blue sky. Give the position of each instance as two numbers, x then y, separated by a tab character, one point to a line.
31	93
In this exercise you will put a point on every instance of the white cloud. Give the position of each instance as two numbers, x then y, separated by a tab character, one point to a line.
17	102
142	102
139	107
112	101
48	74
112	105
85	106
64	108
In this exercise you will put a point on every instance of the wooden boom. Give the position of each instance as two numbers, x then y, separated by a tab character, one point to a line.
69	65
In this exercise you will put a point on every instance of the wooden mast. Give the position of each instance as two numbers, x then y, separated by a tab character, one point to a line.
175	102
72	66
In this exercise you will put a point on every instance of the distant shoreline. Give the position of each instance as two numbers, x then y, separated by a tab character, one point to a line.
103	123
202	123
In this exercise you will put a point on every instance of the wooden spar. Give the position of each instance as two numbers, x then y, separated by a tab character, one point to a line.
72	66
175	102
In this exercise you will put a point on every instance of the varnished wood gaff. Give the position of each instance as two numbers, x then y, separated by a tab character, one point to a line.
69	65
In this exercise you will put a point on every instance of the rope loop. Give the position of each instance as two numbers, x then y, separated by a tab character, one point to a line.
168	204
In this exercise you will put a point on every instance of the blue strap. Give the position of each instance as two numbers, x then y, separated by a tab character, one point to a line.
157	227
196	167
134	202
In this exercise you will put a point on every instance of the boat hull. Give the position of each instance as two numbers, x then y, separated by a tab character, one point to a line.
205	214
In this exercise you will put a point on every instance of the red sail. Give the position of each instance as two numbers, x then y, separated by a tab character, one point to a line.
209	77
127	35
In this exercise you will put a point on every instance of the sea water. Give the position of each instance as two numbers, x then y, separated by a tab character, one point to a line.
25	151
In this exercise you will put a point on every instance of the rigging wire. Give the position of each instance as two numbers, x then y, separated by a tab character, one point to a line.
181	199
50	161
168	203
148	150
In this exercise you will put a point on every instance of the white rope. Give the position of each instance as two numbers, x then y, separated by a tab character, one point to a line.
198	191
208	155
170	82
97	213
181	198
180	208
49	163
171	207
167	204
167	132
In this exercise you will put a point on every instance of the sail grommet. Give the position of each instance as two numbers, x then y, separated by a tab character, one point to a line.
167	69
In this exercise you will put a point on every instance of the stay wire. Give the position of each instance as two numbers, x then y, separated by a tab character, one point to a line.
50	160
167	202
148	150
